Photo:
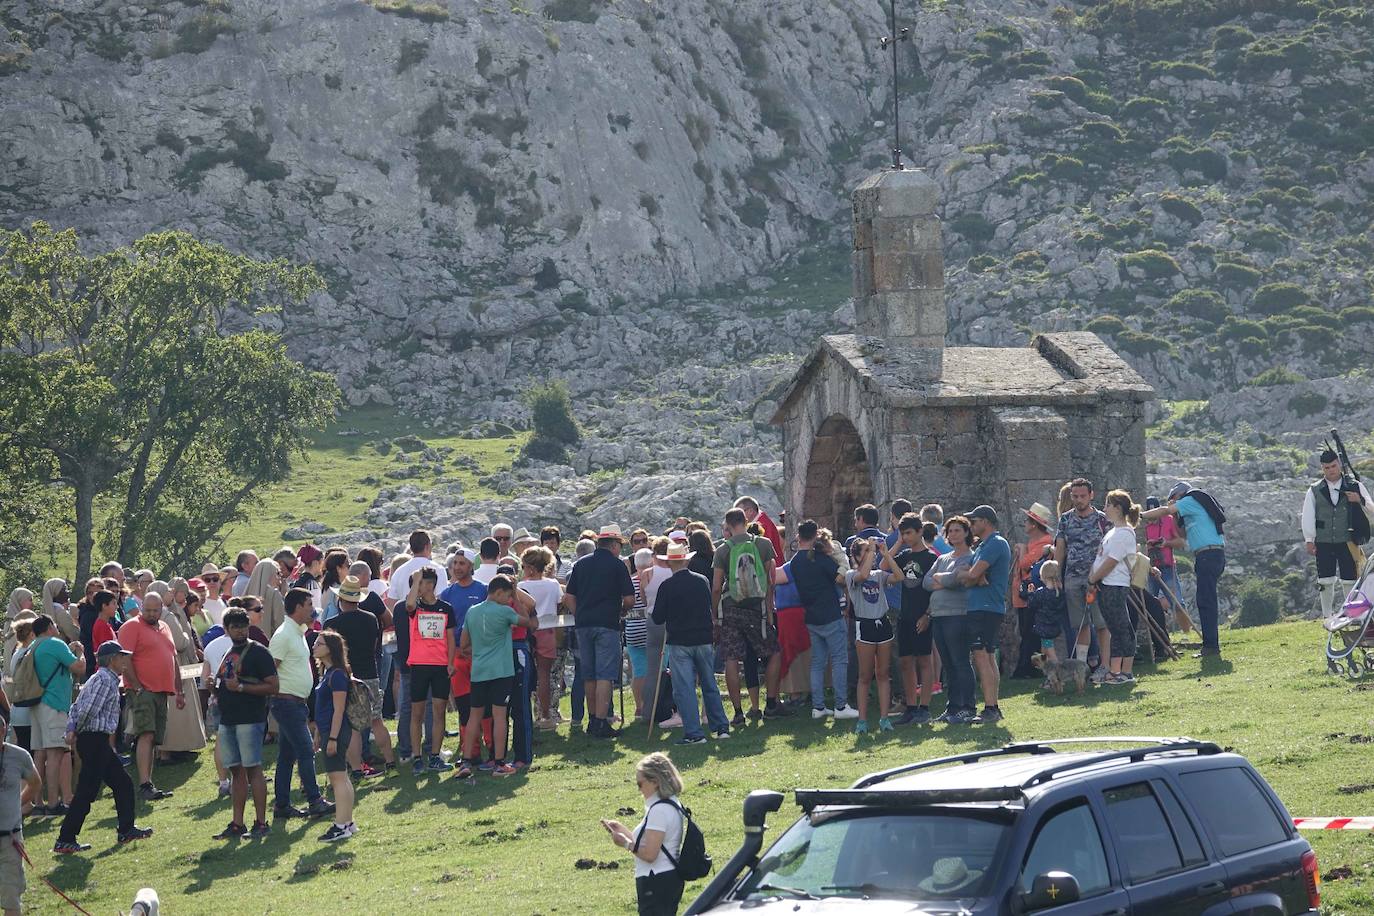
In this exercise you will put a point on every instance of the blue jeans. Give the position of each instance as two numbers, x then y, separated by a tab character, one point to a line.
693	665
403	748
294	746
829	646
1168	577
953	639
521	722
1208	566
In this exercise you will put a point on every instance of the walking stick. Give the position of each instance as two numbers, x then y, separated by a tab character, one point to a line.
622	676
1185	623
658	684
1155	629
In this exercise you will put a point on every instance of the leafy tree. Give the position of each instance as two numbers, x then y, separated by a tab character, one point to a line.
132	389
555	427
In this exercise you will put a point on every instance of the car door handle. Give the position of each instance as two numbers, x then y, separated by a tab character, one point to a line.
1119	911
1211	887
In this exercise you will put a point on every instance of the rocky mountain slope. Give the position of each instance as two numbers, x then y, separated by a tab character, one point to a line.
650	200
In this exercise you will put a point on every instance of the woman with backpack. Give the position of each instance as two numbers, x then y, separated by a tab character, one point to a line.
658	842
335	730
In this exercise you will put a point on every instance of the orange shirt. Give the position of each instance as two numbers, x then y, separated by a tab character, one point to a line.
1030	555
155	655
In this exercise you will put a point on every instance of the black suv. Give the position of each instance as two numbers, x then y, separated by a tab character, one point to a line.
1160	826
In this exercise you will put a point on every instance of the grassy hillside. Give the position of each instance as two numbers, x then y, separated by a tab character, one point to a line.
339	477
436	844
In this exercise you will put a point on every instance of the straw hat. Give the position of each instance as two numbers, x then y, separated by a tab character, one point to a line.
610	532
950	875
677	550
1040	514
351	590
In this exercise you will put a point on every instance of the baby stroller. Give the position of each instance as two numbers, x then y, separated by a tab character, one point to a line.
1350	632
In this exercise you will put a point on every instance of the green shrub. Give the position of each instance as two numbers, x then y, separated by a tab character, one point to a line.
1234	328
1275	375
1028	260
1143	107
551	412
1102	130
538	448
409	9
574	10
986	149
1203	304
1274	298
974	227
1254	346
1107	324
199	32
1046	98
1357	314
1307	404
1180	208
1228	37
753	212
1064	167
981	263
1140	343
1156	265
1186	157
1267	238
1259	604
999	39
1236	276
1071	86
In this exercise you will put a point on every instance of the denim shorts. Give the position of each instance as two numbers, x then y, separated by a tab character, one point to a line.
241	745
639	660
599	652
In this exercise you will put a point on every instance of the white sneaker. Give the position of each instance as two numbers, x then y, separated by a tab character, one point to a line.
822	713
846	712
674	722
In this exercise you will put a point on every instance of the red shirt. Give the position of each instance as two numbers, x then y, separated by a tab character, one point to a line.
101	633
770	531
155	655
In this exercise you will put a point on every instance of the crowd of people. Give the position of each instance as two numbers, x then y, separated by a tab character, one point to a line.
313	649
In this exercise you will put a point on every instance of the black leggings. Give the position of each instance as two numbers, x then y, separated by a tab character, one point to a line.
21	736
659	895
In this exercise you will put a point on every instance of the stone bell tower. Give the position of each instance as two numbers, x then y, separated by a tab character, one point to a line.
899	268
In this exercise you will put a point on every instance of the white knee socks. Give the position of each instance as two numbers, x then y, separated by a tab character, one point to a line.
1326	591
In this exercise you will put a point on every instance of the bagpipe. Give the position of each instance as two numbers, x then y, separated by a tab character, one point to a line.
1350	483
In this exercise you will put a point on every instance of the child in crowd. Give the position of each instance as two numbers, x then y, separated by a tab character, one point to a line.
1048	607
335	731
487	641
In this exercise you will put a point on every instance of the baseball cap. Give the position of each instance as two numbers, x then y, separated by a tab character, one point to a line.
984	512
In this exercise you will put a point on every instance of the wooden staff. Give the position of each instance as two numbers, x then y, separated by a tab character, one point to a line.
1185	623
1139	604
658	684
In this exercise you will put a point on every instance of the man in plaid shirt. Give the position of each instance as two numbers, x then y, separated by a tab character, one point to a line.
91	727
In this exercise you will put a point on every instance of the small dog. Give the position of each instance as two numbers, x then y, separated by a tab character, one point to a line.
1062	672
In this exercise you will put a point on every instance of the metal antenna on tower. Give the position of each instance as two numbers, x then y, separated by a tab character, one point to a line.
890	41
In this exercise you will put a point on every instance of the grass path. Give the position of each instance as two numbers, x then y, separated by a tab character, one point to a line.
512	845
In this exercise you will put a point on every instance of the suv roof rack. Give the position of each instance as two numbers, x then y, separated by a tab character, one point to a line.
1136	754
809	799
1147	746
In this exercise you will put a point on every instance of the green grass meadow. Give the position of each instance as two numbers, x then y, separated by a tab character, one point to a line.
513	845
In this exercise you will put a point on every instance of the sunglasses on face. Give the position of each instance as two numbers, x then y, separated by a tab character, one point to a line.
502	538
212	580
639	542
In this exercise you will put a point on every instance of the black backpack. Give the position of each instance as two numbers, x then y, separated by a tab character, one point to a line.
692	860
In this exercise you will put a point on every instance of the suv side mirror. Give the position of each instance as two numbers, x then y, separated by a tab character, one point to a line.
1053	888
757	806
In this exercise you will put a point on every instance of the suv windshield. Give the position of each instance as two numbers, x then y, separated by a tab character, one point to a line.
924	855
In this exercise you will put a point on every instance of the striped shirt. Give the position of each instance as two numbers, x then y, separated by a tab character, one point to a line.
97	706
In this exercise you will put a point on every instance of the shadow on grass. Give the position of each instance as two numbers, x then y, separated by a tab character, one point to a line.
228	859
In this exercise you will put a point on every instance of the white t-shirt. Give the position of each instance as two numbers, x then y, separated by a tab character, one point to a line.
214	609
214	654
1118	543
545	593
377	587
659	817
485	572
400	579
660	574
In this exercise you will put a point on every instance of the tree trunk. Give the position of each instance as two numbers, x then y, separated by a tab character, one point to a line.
85	531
